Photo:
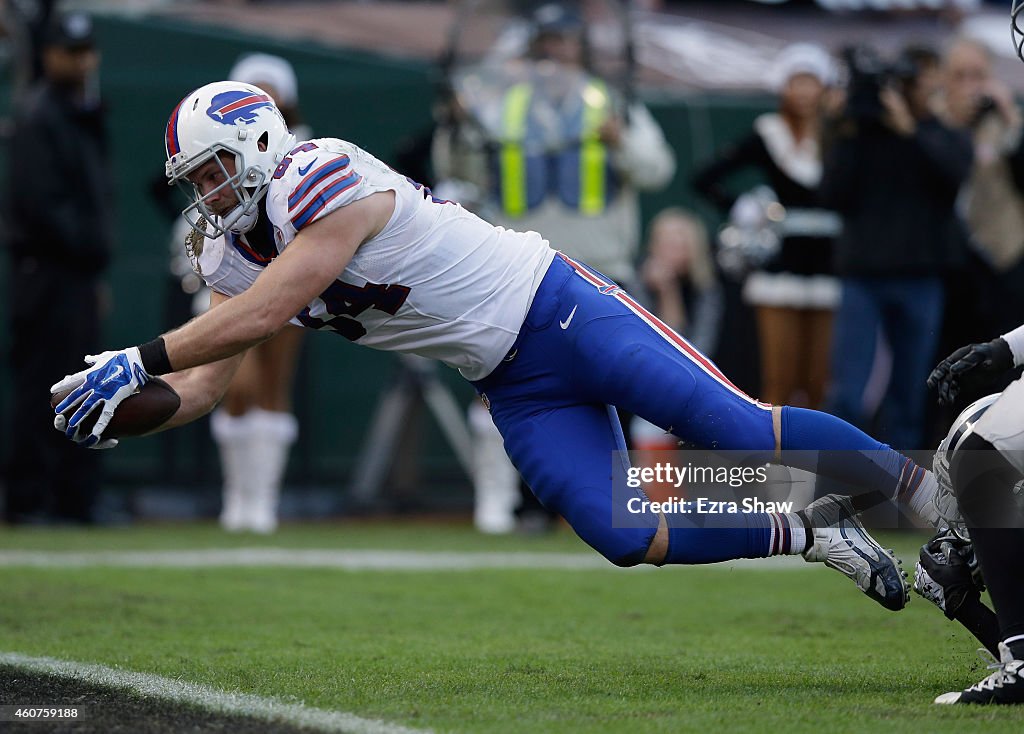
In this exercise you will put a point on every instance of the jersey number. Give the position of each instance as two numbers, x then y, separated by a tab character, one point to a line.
283	167
342	300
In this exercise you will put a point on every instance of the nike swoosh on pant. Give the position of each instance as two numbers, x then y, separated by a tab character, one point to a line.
565	324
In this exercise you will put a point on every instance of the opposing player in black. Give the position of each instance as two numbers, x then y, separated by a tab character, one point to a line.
981	464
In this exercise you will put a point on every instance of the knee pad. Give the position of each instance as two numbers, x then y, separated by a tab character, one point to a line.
625	547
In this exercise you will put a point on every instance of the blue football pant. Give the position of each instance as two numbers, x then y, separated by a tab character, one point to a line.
587	345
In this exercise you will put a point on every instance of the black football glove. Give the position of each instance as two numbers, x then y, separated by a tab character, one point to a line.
946	574
973	363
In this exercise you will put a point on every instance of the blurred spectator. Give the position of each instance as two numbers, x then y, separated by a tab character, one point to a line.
993	198
254	427
60	235
679	275
578	184
794	293
893	173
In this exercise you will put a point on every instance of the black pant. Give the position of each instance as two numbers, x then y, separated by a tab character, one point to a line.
54	323
984	482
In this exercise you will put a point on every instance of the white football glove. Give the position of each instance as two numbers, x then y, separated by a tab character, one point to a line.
111	378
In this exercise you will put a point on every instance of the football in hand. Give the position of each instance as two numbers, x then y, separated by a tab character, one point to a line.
137	414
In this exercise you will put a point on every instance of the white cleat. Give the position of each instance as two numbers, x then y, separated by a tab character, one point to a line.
848	548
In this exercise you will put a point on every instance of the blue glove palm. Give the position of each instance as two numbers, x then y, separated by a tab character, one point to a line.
111	377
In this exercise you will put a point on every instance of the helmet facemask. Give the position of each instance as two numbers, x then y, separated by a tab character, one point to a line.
249	185
220	122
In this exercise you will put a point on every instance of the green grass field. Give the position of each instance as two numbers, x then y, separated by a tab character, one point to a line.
501	650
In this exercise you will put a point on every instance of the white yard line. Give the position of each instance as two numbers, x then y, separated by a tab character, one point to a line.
349	560
209	699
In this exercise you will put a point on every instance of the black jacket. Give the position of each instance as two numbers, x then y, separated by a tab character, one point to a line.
59	188
897	198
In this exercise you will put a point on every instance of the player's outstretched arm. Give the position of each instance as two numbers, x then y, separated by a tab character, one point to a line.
307	267
202	387
315	258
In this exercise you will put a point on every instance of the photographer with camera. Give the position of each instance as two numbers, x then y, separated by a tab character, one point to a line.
893	172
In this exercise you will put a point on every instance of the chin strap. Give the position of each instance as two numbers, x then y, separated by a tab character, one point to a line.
246	221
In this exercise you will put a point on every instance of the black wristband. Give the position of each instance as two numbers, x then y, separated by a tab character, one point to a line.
154	357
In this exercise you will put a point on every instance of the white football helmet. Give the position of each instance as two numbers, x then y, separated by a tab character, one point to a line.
234	118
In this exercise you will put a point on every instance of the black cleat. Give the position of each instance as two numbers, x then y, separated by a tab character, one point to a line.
1004	686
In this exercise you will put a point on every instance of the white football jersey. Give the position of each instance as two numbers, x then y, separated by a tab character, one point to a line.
437	281
224	268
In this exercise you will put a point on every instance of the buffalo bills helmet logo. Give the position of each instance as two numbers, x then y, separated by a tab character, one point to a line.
237	107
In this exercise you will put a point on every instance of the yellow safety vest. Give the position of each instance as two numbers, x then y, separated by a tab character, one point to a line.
593	153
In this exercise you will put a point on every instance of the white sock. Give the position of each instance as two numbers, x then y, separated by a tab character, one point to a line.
788	535
495	479
917	487
232	436
270	441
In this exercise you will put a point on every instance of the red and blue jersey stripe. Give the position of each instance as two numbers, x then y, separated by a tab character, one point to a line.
317	176
319	188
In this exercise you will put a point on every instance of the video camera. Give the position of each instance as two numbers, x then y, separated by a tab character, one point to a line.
869	73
